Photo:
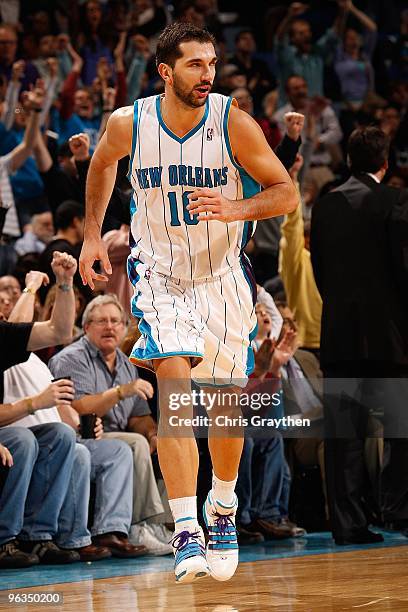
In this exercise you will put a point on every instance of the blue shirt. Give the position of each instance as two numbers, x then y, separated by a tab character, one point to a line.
310	66
74	125
84	363
26	182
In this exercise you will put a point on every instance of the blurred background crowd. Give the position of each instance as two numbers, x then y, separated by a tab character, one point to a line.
65	66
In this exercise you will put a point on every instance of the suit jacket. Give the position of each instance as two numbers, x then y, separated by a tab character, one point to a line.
359	249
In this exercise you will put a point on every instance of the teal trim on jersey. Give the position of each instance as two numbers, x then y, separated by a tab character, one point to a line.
134	137
226	134
143	355
245	237
191	132
151	350
249	189
250	365
249	186
133	207
246	277
136	312
146	330
253	333
151	346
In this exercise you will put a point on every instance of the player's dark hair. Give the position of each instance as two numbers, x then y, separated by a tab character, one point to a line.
66	213
168	46
368	149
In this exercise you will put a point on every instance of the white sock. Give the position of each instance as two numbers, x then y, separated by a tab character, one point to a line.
223	490
184	511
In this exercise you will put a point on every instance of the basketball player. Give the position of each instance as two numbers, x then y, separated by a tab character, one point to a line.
197	164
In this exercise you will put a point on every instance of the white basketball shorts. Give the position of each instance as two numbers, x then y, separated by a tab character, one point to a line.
212	321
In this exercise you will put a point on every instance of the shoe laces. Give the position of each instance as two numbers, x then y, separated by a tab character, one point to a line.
182	539
223	521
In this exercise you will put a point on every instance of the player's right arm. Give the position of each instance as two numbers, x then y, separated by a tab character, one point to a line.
114	144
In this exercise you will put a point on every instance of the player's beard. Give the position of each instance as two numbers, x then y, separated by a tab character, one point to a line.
187	95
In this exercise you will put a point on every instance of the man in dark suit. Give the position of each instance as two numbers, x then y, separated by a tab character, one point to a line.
359	248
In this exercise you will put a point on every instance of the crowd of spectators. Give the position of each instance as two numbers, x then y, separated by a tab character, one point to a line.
309	74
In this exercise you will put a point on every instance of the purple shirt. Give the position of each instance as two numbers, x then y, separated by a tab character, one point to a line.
356	76
30	74
91	57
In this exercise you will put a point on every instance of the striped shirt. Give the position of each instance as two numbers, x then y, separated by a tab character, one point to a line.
84	363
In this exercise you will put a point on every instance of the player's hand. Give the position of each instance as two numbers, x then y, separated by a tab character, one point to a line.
210	205
64	267
6	457
35	279
294	123
93	249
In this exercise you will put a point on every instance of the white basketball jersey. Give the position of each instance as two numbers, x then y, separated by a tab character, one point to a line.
164	169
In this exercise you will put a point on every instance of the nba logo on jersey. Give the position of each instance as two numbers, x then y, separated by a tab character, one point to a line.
210	133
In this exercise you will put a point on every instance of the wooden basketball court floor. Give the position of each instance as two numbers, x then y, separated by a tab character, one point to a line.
304	575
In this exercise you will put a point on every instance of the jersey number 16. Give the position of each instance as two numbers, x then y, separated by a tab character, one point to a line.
174	216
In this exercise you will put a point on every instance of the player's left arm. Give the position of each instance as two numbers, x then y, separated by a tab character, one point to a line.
252	152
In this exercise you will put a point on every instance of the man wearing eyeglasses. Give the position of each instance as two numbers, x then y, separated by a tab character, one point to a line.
8	54
107	384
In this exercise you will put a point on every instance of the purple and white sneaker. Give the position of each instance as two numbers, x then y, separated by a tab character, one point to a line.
222	547
189	554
